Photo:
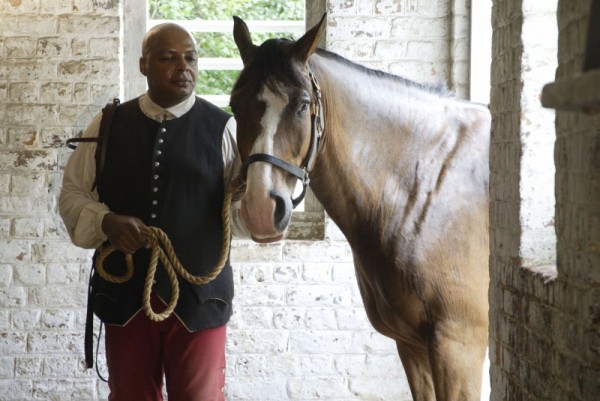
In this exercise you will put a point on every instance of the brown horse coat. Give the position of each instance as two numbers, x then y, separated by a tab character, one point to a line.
402	169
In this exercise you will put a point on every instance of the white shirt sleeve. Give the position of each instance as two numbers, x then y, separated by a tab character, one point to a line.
232	162
78	204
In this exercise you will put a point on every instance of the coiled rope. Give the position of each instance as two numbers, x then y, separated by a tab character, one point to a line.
163	250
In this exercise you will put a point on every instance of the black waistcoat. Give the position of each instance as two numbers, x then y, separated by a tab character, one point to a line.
170	175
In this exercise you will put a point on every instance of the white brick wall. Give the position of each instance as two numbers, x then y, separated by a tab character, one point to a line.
544	298
426	41
299	331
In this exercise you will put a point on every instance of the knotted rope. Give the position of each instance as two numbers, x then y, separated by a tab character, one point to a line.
163	250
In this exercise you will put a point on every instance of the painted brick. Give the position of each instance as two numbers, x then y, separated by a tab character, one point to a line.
310	251
28	367
28	228
15	251
62	366
372	343
248	251
31	70
31	24
57	7
101	47
100	25
53	47
7	367
19	204
260	341
318	272
23	92
368	365
60	389
352	318
253	317
6	275
30	275
55	251
25	319
63	273
24	6
360	27
270	295
369	388
318	388
15	390
319	295
49	342
289	318
320	341
56	92
22	138
58	296
321	318
12	343
4	320
261	388
19	47
58	319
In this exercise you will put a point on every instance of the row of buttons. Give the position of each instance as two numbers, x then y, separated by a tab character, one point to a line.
155	175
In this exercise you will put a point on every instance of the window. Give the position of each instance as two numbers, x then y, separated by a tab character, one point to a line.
522	159
210	21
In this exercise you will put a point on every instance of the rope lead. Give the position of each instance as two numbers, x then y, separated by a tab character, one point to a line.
163	250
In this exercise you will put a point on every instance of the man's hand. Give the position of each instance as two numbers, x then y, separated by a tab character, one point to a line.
125	232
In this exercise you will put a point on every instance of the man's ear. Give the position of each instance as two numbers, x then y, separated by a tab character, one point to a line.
143	65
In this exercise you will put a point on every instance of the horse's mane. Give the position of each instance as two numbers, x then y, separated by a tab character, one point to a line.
270	65
440	89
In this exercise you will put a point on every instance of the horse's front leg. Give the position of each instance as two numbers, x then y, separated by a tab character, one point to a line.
456	355
418	371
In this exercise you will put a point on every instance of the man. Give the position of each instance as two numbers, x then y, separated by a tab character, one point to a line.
169	158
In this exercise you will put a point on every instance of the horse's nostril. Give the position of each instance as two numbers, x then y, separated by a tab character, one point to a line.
283	211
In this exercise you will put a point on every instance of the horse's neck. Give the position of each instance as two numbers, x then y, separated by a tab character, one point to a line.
377	133
369	113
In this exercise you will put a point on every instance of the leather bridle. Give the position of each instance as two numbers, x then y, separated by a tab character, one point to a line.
300	172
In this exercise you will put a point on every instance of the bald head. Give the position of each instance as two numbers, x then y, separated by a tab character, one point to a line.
155	33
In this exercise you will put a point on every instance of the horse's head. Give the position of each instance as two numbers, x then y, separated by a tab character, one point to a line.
273	101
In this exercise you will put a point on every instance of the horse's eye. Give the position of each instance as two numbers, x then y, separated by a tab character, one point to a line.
303	108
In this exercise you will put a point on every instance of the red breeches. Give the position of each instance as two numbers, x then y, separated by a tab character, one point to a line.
141	352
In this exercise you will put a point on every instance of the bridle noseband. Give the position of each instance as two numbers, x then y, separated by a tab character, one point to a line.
301	172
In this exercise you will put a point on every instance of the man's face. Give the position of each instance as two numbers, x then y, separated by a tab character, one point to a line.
170	66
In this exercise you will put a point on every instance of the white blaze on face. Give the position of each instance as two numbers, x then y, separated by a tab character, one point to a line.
258	207
260	173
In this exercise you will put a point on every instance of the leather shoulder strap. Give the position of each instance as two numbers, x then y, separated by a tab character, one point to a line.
108	112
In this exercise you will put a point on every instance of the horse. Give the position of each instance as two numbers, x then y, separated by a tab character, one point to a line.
402	169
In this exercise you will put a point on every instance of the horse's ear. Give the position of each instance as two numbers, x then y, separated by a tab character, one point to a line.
243	40
307	44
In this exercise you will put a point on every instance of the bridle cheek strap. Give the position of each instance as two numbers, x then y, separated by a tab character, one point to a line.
317	127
